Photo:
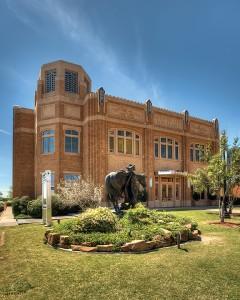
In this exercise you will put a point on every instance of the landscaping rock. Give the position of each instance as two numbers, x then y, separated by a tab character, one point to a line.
105	248
64	241
88	249
195	235
151	245
137	246
53	239
76	247
47	233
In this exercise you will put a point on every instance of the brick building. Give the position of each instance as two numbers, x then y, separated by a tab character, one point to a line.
76	132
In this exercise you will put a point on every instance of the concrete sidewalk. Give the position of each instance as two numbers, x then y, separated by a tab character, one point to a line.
7	218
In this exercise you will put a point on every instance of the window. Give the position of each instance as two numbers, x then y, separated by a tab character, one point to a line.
71	141
137	144
50	77
71	177
163	148
197	152
176	150
48	142
71	82
156	188
169	148
111	141
127	142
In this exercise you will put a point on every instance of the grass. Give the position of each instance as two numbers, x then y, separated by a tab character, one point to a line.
202	270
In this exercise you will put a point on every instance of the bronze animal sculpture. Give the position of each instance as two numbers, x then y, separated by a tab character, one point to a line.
125	184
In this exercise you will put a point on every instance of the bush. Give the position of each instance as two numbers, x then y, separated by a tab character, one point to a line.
34	208
1	206
97	220
19	205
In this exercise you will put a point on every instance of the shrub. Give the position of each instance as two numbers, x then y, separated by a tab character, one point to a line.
34	208
1	206
19	205
97	220
81	193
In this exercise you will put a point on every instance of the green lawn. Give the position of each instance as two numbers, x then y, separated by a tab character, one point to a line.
201	270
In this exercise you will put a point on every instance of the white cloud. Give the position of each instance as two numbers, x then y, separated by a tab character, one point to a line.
76	26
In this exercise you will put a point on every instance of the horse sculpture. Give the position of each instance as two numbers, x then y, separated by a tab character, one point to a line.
125	184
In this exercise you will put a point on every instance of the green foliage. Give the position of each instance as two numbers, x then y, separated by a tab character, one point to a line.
34	208
97	220
1	206
19	205
101	226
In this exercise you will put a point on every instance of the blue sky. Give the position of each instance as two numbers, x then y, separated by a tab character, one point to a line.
181	54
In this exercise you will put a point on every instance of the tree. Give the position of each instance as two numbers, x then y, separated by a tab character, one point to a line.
221	175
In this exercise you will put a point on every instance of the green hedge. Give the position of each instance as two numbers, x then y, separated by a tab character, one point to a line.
33	208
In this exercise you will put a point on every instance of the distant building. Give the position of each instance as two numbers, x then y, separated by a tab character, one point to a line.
79	133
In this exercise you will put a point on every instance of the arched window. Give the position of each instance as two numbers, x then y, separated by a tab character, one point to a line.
48	141
71	141
124	142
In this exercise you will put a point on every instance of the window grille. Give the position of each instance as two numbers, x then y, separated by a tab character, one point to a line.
50	77
71	82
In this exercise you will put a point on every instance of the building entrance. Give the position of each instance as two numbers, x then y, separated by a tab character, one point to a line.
168	191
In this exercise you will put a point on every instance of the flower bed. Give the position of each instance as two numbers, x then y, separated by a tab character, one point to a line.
140	229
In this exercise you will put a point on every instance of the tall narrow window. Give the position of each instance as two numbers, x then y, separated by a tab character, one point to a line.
129	142
120	140
71	82
137	144
156	148
170	148
72	141
176	150
111	143
50	77
156	188
163	148
48	141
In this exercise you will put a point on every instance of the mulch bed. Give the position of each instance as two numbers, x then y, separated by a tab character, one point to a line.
226	224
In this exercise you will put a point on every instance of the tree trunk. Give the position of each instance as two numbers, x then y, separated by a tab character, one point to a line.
222	216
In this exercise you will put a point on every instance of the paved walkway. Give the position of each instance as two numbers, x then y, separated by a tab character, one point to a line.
7	218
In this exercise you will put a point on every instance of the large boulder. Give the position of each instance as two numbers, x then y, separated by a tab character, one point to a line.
138	246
